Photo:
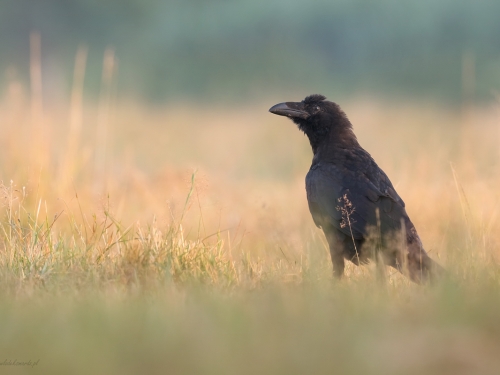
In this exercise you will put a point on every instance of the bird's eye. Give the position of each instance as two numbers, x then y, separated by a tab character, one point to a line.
317	108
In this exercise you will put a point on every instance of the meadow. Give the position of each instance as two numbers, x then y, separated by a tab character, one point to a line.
177	239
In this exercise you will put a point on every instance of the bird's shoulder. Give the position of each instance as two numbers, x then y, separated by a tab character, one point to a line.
350	169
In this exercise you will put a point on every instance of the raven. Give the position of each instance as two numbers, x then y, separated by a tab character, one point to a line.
351	198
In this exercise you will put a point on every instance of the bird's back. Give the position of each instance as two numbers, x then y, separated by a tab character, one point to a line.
348	182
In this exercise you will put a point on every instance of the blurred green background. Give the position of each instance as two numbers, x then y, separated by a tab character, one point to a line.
247	49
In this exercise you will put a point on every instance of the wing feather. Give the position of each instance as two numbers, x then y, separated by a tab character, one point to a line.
367	189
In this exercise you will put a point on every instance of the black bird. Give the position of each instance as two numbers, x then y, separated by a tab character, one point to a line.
351	198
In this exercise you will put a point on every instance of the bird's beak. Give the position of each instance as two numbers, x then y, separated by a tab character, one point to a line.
290	109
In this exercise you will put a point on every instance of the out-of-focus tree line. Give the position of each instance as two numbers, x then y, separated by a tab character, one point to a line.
246	48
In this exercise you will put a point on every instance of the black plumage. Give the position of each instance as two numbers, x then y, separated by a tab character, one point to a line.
351	198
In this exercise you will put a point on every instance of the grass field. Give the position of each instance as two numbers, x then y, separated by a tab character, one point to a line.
177	239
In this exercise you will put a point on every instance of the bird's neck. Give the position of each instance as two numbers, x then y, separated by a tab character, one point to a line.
326	140
317	137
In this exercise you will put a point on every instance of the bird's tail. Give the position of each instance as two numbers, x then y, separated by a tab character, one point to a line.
422	268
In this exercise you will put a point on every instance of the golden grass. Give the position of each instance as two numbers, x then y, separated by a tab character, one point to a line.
231	180
190	196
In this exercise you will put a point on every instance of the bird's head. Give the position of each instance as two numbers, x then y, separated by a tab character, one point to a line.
317	118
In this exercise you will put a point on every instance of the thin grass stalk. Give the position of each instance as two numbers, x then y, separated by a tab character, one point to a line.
39	133
101	142
70	161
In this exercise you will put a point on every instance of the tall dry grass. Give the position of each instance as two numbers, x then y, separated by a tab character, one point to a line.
117	181
178	239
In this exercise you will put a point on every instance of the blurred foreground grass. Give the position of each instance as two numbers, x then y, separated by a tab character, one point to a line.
178	240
